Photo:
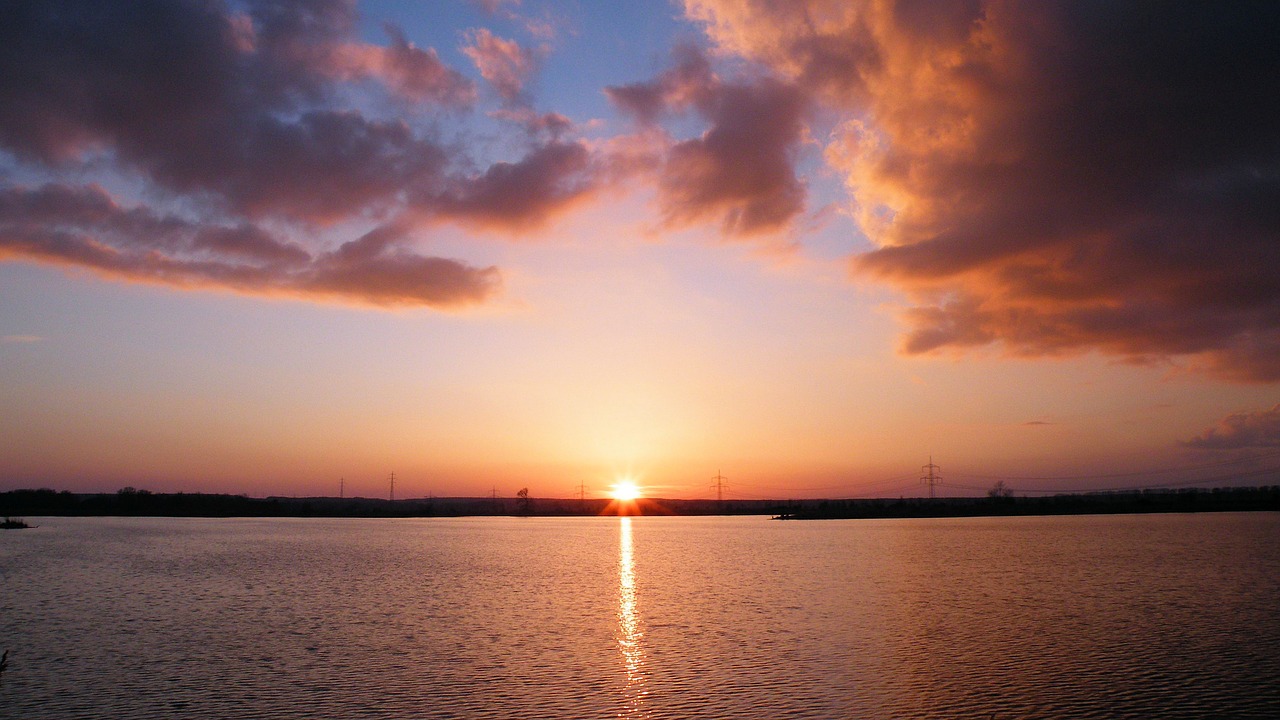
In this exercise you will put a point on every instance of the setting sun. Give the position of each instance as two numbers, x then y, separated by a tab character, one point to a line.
625	490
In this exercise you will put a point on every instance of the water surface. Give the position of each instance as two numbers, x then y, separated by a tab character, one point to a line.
1170	616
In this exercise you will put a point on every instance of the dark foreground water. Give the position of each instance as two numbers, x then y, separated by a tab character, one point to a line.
1170	616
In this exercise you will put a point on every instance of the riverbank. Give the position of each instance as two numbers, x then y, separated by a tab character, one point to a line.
131	502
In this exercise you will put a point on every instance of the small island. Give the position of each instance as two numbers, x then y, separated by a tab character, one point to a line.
11	523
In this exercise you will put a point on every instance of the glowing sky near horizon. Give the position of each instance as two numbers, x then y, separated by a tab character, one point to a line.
260	246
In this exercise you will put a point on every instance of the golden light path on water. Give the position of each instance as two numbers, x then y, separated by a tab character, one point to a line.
630	635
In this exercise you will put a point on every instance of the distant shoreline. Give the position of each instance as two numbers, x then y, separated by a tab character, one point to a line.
140	503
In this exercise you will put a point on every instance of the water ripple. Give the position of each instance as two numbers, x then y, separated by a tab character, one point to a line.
1115	617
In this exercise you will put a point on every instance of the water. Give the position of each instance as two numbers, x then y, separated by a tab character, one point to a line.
1168	616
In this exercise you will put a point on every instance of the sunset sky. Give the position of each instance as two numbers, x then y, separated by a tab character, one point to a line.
258	246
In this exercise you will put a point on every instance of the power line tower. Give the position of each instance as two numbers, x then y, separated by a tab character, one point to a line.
342	488
929	475
719	486
392	495
582	496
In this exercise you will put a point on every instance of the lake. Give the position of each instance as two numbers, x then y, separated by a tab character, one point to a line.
1151	616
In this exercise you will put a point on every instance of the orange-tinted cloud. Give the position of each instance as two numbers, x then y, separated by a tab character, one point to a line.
84	227
1052	177
1245	429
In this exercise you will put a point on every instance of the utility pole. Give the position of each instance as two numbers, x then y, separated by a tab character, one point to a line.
719	486
392	495
930	476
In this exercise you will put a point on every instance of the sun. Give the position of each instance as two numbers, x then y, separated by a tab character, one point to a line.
625	490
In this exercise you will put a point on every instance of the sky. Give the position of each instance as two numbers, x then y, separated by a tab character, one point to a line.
272	246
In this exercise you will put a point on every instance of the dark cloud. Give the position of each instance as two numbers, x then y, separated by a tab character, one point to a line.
741	170
550	125
1053	177
374	269
83	227
204	101
689	80
1256	429
249	243
246	117
522	195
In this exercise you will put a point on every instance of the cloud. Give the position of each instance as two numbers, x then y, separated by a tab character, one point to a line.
84	227
223	106
1256	429
551	124
1037	423
505	64
1051	177
412	72
689	80
247	127
519	196
740	171
21	339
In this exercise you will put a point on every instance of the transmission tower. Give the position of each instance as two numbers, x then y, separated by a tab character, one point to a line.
929	475
719	486
392	495
582	495
342	488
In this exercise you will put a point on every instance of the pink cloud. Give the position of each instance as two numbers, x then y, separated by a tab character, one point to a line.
412	72
505	64
84	227
1245	429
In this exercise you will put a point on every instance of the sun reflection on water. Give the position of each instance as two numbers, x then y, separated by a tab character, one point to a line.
630	634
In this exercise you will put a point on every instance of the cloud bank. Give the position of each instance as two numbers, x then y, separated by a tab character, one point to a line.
1245	429
84	227
247	120
1052	177
1047	178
